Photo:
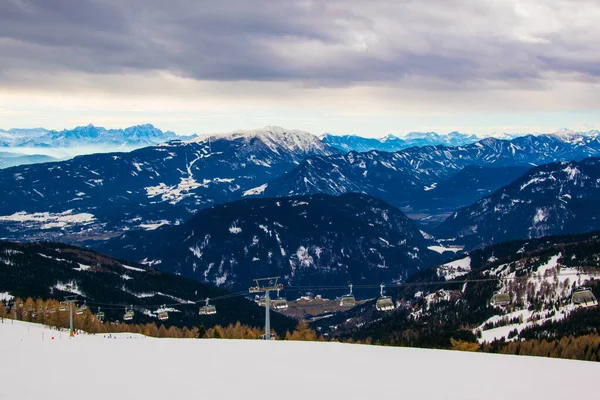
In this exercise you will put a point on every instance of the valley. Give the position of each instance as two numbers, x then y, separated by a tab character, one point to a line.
202	218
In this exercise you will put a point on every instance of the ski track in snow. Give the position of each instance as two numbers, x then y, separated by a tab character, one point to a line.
137	367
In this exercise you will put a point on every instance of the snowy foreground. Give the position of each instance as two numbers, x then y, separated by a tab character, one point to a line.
35	366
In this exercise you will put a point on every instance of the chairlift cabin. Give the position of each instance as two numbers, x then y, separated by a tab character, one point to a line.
81	309
500	299
207	309
100	314
583	297
280	303
62	307
348	300
384	303
261	301
163	315
129	314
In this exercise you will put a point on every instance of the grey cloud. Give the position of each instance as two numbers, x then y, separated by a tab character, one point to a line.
332	43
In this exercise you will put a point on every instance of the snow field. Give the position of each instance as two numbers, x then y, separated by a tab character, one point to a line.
133	366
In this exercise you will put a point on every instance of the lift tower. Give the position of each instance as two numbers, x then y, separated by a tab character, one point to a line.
71	300
265	285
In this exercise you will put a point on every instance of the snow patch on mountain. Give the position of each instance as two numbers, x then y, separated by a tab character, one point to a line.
69	287
47	220
5	296
150	226
255	191
454	269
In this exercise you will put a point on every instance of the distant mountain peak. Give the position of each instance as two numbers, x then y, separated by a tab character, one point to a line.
272	136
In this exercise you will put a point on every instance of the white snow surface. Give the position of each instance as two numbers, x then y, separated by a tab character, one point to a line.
133	268
6	296
455	269
151	226
274	137
47	220
255	191
137	367
440	248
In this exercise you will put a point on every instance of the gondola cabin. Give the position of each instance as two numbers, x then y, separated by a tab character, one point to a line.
583	297
500	299
347	300
208	310
163	315
280	304
384	303
128	315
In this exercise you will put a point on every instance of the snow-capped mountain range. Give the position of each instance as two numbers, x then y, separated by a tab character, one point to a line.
97	194
556	198
408	178
100	195
89	135
394	143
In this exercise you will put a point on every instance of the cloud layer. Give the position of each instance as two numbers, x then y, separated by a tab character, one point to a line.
255	50
324	43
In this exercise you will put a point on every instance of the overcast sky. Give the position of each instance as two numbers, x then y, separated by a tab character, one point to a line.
365	67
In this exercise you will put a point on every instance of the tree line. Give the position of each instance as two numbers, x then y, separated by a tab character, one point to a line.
48	312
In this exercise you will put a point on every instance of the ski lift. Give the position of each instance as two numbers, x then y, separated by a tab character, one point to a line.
348	300
261	301
280	303
81	309
207	309
128	316
583	297
384	303
163	315
500	299
62	307
100	315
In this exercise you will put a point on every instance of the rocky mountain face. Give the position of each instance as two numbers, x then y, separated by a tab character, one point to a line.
550	199
103	194
393	143
89	135
307	240
408	178
54	270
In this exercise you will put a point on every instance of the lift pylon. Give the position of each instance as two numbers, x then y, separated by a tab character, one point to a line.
265	285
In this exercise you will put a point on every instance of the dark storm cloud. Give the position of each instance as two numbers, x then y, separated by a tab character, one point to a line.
331	43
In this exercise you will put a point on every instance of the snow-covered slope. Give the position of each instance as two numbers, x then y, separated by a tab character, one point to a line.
163	184
136	367
308	240
410	177
553	199
275	138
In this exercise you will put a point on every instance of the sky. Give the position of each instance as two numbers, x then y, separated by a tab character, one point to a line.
345	67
